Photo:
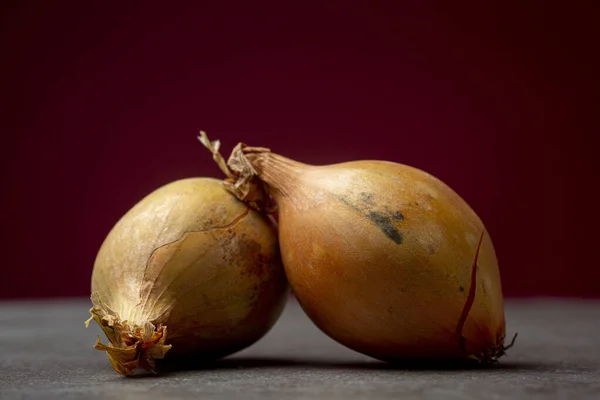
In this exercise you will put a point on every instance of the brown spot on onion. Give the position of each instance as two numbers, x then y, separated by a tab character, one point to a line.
397	216
384	223
382	220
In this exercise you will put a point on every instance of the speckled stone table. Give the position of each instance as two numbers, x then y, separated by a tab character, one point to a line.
46	353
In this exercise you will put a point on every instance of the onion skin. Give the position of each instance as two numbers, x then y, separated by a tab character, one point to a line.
385	258
192	258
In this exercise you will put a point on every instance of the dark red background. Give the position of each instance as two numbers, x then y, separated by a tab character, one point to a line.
102	101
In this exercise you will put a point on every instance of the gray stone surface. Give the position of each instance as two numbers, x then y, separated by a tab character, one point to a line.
46	353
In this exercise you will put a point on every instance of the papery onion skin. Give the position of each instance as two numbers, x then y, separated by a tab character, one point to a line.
385	258
198	265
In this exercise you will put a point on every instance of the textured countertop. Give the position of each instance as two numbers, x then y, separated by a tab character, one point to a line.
46	353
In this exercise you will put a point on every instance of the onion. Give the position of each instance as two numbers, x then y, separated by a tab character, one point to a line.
383	257
192	258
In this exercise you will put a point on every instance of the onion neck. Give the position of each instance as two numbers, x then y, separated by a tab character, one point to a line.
281	174
253	171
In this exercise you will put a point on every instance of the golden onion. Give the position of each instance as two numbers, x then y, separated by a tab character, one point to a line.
383	257
189	271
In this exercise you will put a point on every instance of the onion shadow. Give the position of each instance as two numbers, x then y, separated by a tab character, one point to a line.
176	365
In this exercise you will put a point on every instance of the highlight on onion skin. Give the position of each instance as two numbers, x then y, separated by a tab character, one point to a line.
383	257
189	271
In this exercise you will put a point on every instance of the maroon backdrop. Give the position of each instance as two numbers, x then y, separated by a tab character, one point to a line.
102	101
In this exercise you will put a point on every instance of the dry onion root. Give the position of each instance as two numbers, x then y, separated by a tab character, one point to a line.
192	258
384	258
